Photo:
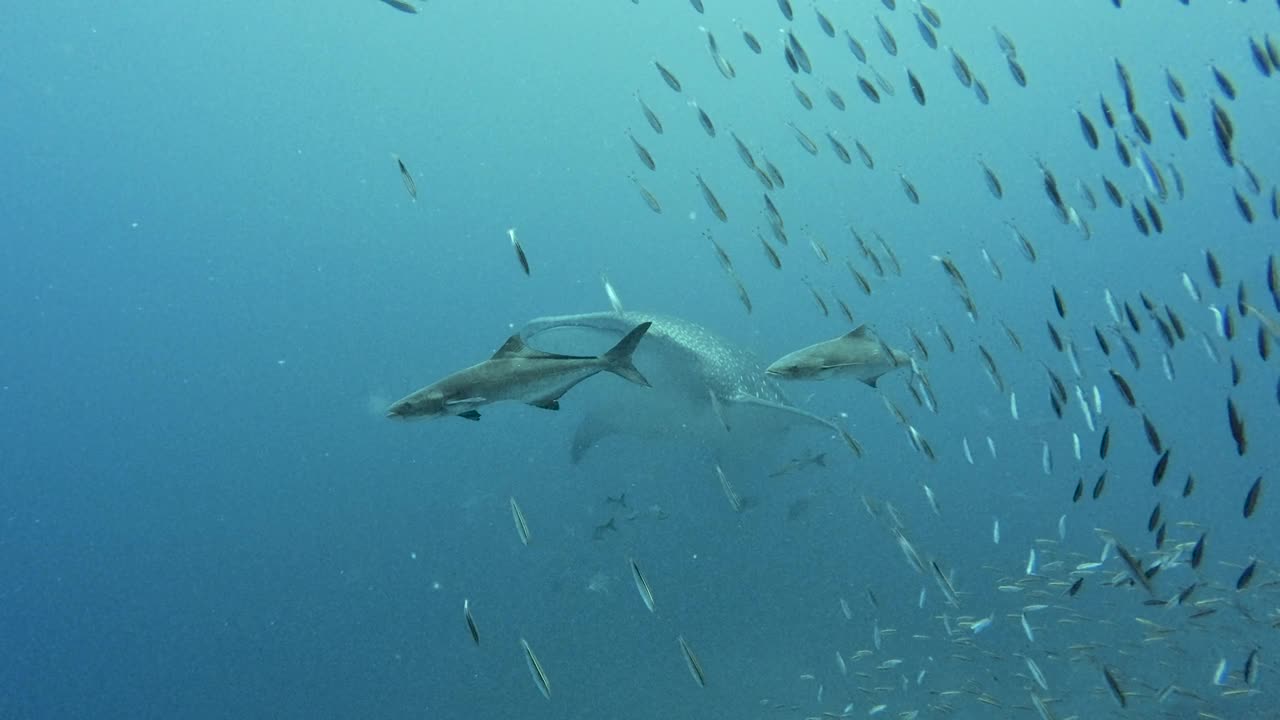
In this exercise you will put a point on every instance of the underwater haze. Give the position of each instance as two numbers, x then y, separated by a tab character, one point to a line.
234	234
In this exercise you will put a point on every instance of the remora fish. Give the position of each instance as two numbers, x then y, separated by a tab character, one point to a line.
518	372
687	364
859	353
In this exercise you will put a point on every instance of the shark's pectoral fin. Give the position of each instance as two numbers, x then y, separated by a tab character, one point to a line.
465	407
872	381
717	410
547	403
783	414
470	401
590	431
786	415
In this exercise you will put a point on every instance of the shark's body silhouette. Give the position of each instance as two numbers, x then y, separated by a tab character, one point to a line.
705	390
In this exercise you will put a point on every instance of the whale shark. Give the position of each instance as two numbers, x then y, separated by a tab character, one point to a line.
704	390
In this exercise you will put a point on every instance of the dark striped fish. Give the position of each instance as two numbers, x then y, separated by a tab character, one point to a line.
402	6
1114	686
1246	576
471	622
519	249
406	177
1251	499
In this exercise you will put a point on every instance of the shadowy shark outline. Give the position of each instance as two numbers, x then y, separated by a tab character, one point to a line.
702	384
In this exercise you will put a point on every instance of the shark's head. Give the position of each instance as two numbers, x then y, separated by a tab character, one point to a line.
796	366
425	403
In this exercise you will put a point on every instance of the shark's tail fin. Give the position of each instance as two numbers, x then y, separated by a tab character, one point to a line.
618	359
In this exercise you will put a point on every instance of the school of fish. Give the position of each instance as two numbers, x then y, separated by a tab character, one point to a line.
1192	352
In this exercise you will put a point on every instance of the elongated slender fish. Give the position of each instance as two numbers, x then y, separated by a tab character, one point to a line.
642	585
405	176
944	583
535	669
1251	499
471	621
712	201
667	76
1114	686
1036	673
402	6
614	301
695	667
518	372
1135	568
983	624
519	249
735	500
522	525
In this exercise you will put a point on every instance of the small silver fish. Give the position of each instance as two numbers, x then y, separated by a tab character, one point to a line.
1036	673
614	301
522	525
642	585
735	501
667	76
649	115
710	197
695	667
648	197
535	669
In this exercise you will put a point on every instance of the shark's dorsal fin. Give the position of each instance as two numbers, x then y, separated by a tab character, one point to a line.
858	333
514	347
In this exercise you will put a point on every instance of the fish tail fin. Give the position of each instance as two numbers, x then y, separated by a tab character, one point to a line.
618	359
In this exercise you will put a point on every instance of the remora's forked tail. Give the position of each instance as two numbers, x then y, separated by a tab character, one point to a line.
618	359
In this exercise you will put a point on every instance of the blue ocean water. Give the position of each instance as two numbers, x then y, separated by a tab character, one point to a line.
213	283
